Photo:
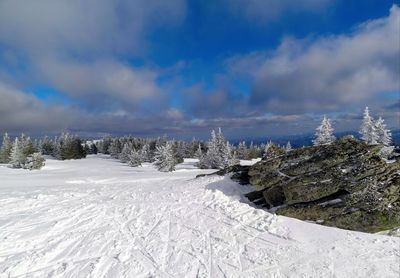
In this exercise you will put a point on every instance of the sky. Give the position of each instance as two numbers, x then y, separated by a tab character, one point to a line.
255	68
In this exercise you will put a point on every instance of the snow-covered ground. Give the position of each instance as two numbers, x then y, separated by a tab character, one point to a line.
97	217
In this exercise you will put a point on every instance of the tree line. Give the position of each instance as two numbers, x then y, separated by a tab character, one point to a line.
216	153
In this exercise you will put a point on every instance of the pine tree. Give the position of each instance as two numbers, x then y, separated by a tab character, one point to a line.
368	129
384	135
5	151
324	134
18	159
135	158
165	159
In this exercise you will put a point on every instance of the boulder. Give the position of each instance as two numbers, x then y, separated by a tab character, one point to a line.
344	184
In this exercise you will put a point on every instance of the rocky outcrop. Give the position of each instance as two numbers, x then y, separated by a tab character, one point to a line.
345	184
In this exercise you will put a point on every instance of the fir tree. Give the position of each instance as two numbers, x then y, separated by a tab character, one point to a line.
368	129
5	151
384	135
324	134
165	159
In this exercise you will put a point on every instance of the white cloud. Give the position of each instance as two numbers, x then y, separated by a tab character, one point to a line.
327	73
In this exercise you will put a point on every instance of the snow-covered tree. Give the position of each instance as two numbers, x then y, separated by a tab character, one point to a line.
68	146
34	161
288	146
46	146
232	155
115	148
5	151
368	129
217	156
199	152
125	153
18	158
242	150
165	159
384	135
145	153
324	134
135	158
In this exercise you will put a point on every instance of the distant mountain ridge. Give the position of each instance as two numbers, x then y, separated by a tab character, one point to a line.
300	140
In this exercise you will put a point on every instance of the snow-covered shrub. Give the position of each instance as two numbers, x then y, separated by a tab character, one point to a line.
386	152
34	161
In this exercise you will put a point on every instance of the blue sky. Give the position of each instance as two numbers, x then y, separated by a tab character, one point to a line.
255	68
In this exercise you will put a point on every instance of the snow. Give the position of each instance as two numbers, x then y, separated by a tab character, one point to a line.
97	217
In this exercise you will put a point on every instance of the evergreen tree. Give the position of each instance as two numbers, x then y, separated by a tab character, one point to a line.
135	158
34	161
288	146
5	151
324	134
93	149
18	159
145	153
384	135
165	159
232	155
27	145
217	156
125	153
46	146
68	146
368	129
242	150
115	148
199	153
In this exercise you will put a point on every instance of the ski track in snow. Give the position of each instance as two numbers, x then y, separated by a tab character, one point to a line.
99	218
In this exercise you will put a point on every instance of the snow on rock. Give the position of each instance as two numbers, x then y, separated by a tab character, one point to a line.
100	218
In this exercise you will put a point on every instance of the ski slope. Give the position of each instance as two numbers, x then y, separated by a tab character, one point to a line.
97	217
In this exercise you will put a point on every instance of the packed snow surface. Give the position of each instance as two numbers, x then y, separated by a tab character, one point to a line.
97	217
